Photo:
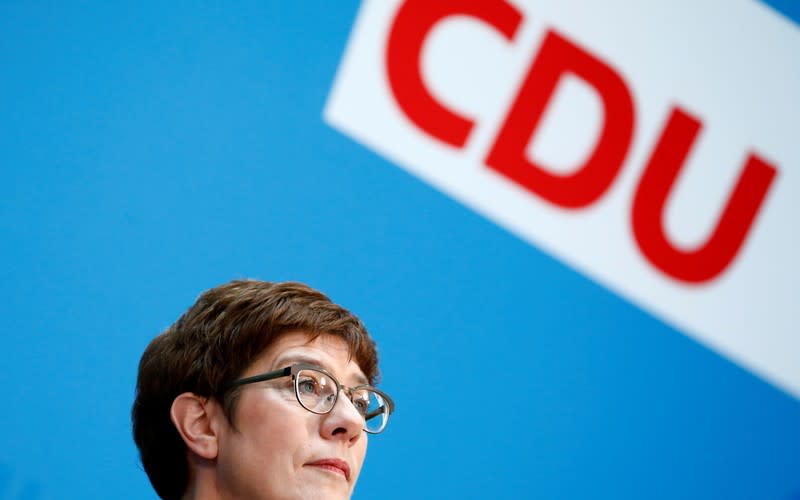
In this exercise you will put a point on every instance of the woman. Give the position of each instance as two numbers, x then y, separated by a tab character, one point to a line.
260	390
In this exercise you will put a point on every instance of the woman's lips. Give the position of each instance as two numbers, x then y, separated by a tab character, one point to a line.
334	465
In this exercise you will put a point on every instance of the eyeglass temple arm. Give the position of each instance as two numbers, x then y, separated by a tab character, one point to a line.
374	413
387	404
284	372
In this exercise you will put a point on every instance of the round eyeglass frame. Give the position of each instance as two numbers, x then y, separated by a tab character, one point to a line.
295	369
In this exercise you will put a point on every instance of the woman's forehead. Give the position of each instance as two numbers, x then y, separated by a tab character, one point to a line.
326	351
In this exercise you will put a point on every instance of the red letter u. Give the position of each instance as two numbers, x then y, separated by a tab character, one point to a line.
709	260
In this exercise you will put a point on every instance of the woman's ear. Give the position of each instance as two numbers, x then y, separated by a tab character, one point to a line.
192	416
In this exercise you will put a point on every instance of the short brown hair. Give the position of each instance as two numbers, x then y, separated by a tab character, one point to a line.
211	345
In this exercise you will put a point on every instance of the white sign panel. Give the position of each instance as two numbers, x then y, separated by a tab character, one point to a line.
651	145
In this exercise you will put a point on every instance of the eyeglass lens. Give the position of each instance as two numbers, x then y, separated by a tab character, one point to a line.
316	391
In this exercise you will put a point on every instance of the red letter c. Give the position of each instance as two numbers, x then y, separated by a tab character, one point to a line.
412	23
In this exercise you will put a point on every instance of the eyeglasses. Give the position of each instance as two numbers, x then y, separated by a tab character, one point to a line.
317	391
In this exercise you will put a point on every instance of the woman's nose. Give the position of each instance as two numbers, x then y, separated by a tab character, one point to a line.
343	422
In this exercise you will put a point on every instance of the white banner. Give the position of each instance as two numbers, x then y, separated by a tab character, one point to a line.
651	145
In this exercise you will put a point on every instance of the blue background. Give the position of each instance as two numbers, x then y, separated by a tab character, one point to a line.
149	151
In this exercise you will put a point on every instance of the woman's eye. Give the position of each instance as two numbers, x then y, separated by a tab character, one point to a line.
361	405
308	386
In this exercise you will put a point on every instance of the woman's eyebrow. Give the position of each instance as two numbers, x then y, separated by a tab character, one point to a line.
315	362
300	358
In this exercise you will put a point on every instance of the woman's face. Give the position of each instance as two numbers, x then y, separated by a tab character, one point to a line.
276	448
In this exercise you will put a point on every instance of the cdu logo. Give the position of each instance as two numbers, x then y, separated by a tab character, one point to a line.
624	140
